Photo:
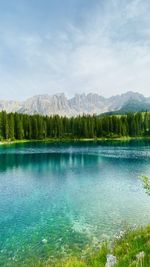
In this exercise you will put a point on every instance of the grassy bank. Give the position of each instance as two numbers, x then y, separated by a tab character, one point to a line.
53	140
129	249
9	142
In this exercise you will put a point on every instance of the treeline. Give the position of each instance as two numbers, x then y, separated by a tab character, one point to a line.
21	126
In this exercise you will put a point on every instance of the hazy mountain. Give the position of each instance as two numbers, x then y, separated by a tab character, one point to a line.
79	104
10	106
47	105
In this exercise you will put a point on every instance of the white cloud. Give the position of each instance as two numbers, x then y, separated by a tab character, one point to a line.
110	54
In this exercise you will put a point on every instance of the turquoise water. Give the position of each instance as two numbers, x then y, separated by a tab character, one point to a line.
57	198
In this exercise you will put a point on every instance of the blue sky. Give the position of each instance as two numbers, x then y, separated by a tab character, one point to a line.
74	46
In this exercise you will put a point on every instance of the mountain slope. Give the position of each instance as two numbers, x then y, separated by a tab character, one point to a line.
134	106
131	106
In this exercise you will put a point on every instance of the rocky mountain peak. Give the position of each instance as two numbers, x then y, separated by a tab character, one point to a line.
81	103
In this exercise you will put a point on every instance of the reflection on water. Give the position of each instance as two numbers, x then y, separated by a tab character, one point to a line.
45	161
68	194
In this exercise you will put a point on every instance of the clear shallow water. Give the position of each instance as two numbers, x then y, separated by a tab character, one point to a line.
70	194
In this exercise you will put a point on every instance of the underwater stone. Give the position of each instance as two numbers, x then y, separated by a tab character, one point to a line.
44	241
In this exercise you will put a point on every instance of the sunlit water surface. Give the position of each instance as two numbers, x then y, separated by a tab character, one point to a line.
57	198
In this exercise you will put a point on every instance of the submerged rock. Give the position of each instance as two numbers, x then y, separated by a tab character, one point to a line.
44	241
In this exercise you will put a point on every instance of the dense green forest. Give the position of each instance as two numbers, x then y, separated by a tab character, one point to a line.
21	126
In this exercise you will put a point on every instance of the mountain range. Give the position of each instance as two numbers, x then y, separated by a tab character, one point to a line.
79	104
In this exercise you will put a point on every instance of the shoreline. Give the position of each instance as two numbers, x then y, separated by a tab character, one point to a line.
63	140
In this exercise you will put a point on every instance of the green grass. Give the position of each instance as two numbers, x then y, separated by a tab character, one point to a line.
131	249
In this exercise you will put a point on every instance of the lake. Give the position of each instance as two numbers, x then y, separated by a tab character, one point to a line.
58	198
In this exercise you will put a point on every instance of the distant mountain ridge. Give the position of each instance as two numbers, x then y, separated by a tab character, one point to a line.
77	105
